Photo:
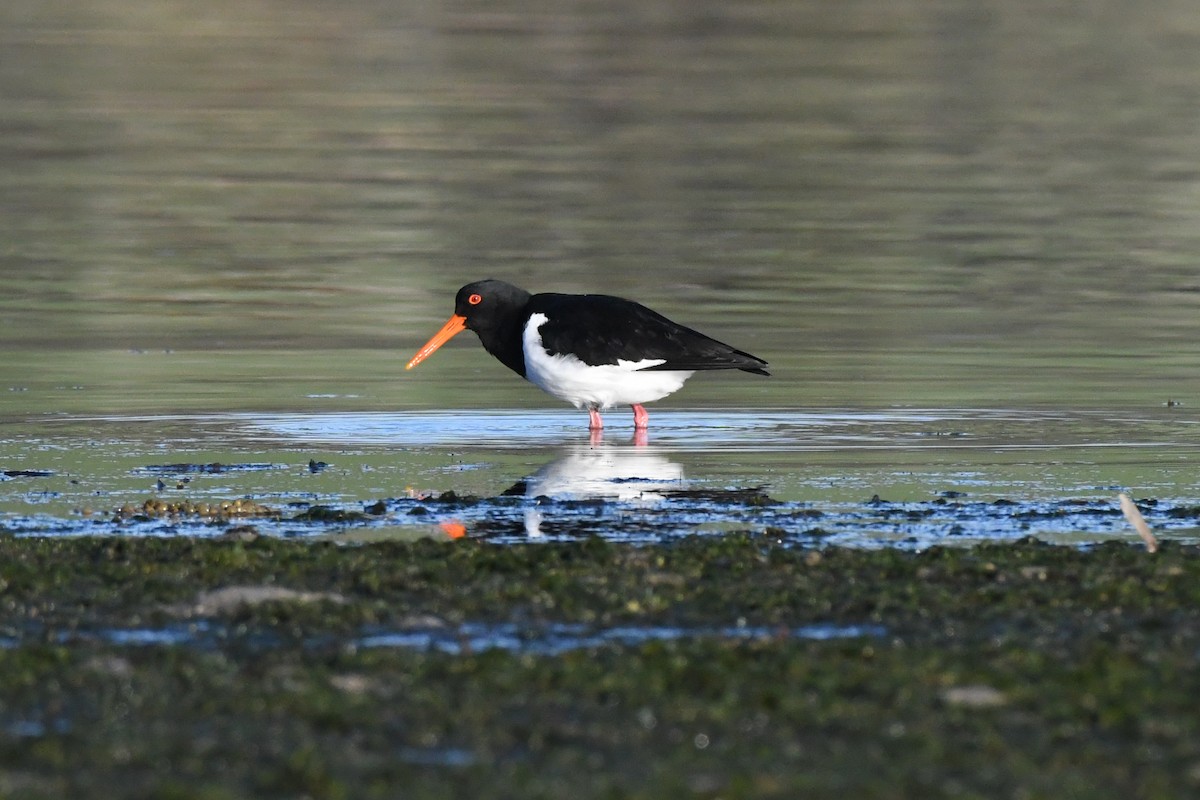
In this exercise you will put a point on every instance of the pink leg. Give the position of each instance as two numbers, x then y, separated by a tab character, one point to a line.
640	418
594	421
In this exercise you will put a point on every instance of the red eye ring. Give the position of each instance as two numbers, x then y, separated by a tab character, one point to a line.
475	299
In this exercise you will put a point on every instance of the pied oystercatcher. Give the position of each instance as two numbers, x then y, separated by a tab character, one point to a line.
592	350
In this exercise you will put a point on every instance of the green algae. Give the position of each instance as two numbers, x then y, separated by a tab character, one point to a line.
1018	670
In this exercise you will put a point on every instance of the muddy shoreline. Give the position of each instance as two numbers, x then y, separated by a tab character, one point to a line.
224	668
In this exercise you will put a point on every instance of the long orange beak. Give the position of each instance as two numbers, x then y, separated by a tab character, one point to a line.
455	325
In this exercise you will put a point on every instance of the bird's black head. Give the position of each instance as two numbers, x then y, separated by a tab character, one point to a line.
493	309
488	305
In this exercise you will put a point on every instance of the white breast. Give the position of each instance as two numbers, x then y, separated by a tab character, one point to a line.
568	378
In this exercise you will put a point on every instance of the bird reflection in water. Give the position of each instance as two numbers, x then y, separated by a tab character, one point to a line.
637	475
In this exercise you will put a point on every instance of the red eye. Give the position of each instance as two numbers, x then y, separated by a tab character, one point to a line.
475	299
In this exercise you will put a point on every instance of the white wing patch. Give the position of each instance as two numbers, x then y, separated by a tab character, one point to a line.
568	378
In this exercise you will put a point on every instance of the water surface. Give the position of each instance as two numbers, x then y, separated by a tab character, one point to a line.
913	477
963	234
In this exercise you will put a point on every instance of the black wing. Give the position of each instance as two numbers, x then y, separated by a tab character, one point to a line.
599	329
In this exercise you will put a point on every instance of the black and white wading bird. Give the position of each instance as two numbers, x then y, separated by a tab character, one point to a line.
592	350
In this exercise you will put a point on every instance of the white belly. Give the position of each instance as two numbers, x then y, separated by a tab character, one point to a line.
568	378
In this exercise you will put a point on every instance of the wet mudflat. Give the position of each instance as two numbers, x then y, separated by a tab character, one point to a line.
821	603
899	477
186	667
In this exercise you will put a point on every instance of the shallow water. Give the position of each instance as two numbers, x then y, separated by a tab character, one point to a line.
476	637
909	477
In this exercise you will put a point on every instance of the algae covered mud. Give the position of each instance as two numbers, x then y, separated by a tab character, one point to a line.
195	668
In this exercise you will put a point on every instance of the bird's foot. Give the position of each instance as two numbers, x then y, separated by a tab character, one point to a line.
594	421
640	418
